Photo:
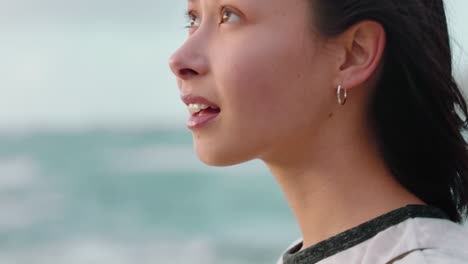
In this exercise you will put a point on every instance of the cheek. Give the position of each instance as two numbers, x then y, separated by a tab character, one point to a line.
267	82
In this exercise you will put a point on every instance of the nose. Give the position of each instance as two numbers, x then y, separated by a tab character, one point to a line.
190	60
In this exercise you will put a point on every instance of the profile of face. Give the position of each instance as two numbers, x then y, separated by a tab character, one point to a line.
261	64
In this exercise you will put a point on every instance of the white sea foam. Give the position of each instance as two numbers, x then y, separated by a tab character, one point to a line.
22	173
21	212
103	251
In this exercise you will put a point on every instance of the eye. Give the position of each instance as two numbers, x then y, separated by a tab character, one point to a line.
192	20
229	16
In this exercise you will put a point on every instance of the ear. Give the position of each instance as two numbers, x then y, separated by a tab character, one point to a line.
363	45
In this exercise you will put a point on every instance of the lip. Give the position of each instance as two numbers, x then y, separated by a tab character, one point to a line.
199	120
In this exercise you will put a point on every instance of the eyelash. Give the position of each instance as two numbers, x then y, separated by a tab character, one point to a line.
191	16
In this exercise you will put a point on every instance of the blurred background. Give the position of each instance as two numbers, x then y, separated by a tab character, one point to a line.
96	165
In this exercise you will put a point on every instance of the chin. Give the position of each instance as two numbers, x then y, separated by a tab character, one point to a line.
221	158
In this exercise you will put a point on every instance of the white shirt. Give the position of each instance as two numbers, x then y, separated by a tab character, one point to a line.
415	234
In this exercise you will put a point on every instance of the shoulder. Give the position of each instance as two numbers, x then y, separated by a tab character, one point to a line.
414	241
441	233
430	241
433	256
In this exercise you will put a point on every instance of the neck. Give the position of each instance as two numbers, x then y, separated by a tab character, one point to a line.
342	186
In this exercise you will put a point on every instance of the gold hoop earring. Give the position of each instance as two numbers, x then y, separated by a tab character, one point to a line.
342	95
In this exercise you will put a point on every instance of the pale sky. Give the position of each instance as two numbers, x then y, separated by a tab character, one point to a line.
97	63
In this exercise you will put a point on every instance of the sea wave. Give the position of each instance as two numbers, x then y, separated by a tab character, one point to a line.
153	158
17	171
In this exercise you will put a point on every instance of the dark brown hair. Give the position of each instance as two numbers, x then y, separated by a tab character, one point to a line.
417	111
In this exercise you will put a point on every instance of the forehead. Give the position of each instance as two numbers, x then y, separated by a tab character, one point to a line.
277	6
261	2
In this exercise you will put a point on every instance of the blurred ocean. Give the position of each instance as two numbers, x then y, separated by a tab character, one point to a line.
133	197
99	196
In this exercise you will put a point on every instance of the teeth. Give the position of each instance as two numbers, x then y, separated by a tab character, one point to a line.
195	108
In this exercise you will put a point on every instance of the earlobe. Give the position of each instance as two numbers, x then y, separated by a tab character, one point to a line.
364	44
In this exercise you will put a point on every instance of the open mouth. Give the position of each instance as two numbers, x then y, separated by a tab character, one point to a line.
202	109
201	114
208	111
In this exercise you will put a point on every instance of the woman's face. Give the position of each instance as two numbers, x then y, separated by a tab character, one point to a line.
260	63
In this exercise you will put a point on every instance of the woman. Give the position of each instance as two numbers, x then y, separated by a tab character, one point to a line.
352	106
